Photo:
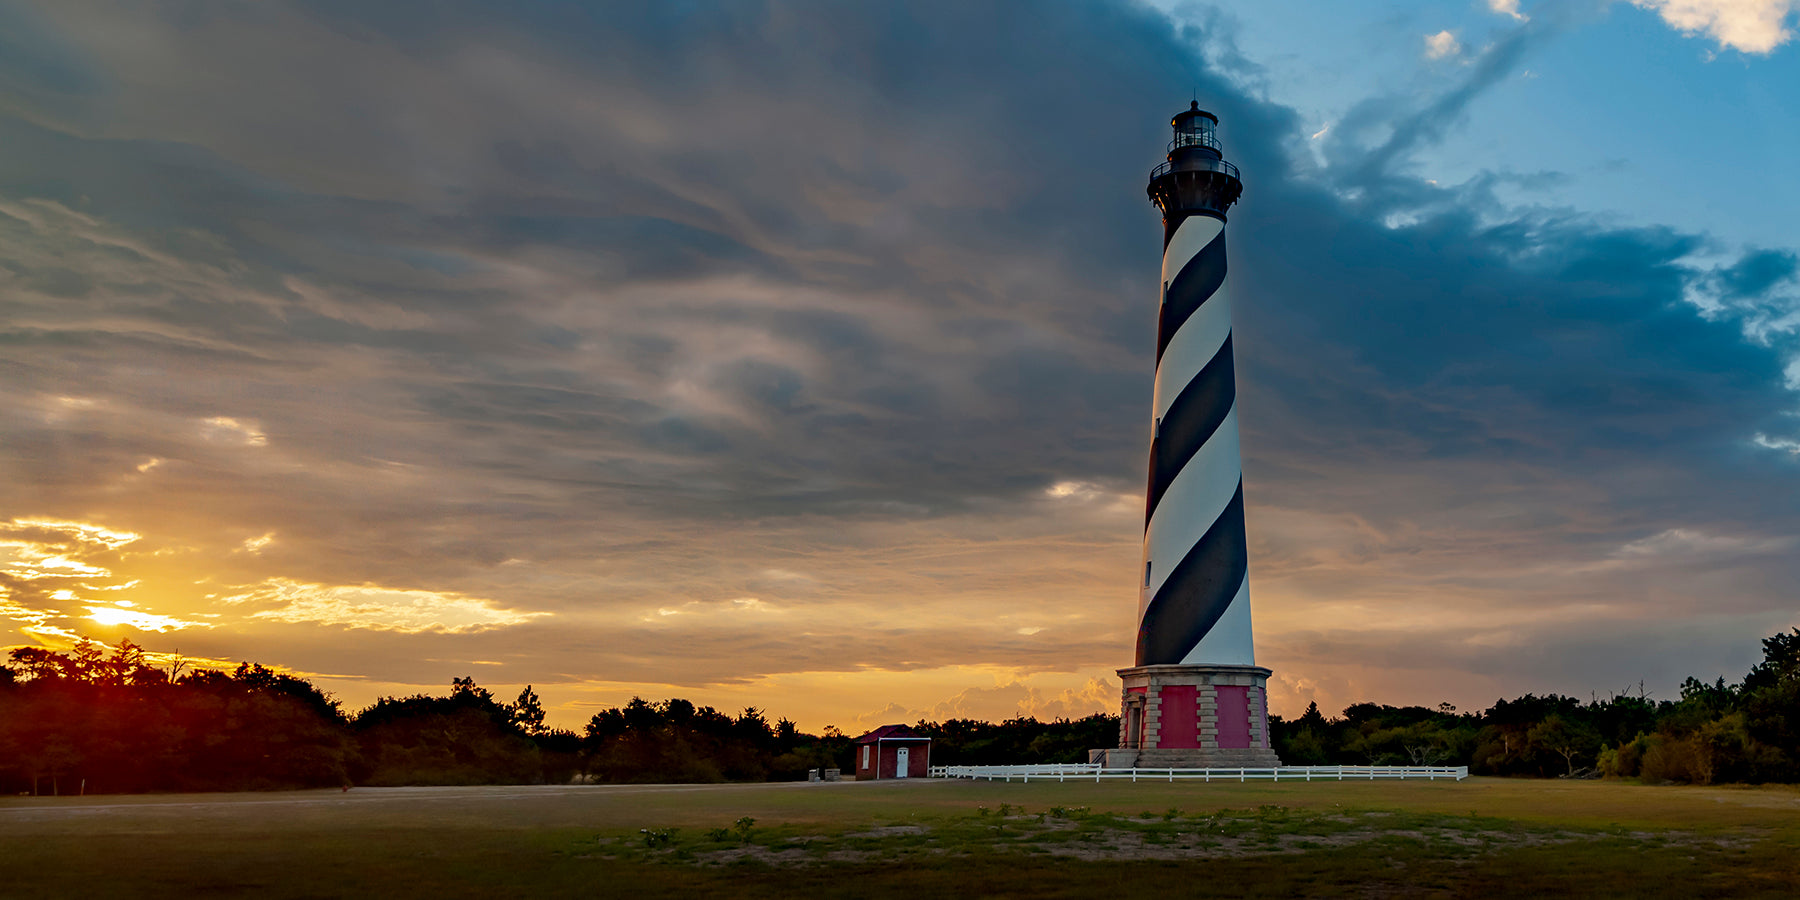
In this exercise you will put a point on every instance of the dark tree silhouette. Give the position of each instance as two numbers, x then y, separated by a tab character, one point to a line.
99	719
528	712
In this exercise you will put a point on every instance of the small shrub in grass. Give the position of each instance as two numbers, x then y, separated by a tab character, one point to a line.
743	827
657	837
719	835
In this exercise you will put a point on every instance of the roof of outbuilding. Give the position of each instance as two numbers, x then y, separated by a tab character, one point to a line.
891	733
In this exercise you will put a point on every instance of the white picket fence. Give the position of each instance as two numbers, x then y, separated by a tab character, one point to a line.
1095	772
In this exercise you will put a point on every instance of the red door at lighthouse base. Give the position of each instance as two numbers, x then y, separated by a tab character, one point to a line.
1234	716
1179	717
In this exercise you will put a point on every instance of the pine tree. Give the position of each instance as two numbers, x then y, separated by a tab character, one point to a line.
528	712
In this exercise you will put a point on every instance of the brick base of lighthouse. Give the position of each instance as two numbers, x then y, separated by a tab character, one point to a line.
1193	717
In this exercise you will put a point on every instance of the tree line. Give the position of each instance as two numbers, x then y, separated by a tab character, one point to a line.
103	720
1747	731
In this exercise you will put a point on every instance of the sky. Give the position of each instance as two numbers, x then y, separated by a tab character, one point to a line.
798	355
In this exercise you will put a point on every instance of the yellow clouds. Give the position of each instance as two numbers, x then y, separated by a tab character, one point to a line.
47	564
228	430
376	608
709	610
32	549
82	532
142	621
60	579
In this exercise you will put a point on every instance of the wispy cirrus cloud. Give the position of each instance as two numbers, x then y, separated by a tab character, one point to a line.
1508	8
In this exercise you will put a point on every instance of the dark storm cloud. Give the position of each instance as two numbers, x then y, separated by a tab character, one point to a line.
589	307
1755	273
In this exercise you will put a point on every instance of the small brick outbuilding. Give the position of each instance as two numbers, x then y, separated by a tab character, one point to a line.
892	751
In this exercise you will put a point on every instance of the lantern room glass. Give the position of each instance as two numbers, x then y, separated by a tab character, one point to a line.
1195	129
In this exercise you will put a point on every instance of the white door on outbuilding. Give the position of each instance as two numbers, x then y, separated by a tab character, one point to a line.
900	761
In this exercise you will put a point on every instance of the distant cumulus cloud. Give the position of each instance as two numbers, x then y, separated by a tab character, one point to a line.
1442	45
1749	26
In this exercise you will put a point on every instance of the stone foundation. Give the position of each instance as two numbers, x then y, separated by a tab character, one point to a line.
1193	717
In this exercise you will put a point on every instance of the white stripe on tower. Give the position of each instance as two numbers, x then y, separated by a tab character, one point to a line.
1194	605
1199	338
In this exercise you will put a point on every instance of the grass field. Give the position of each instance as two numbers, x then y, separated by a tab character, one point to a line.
1481	837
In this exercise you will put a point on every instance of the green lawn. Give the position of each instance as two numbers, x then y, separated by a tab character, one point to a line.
1481	837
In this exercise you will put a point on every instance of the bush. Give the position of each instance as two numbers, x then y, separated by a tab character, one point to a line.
1624	761
1669	758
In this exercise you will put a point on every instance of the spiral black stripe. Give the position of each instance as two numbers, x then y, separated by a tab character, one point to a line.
1197	281
1194	596
1172	221
1190	422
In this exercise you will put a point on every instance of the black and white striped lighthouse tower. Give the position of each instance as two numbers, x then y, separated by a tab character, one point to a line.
1195	696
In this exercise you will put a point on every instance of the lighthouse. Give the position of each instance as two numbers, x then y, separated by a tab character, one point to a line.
1194	696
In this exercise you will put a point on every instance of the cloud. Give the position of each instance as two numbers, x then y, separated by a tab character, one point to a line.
138	619
1748	26
229	429
75	533
1791	446
1508	8
33	549
1017	699
1686	545
375	608
52	568
1378	132
1442	46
